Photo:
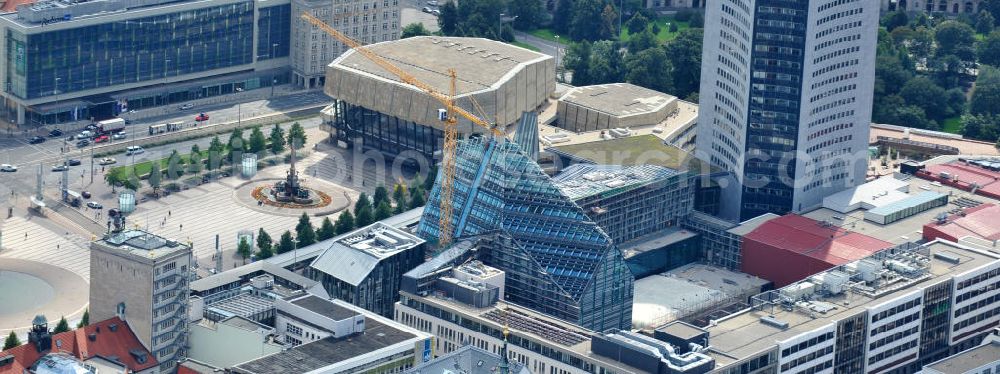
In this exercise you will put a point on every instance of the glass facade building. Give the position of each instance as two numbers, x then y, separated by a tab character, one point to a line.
382	132
86	57
558	261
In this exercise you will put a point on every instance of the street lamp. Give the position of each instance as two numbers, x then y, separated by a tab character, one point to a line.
557	56
273	80
239	108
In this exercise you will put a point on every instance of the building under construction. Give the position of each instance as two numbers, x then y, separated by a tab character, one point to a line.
494	80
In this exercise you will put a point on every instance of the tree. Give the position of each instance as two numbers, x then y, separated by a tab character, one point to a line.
981	127
914	116
304	231
264	253
448	19
85	319
258	143
638	23
894	20
264	241
175	165
641	41
381	194
11	342
921	43
244	249
984	22
196	159
236	141
296	136
399	197
155	176
685	61
590	20
132	182
215	151
986	95
62	326
989	49
562	16
363	202
955	38
528	14
647	69
697	20
383	211
605	62
416	197
924	93
277	138
577	60
345	223
414	29
286	243
326	230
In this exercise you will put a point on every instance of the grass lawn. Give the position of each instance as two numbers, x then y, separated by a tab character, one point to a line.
525	45
952	125
548	34
143	168
664	23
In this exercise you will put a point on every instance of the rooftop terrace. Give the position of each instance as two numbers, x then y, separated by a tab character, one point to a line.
143	244
583	180
632	150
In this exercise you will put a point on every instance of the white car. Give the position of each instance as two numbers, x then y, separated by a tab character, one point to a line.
108	161
8	168
87	134
186	106
119	136
134	150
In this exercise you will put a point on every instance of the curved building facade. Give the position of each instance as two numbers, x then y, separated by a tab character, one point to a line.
786	99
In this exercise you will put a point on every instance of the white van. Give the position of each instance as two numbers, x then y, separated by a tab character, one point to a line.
134	150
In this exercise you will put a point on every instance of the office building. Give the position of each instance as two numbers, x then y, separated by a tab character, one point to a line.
142	278
107	346
613	106
230	341
952	7
364	267
74	60
628	202
374	108
566	265
332	336
894	311
469	360
312	48
786	100
983	359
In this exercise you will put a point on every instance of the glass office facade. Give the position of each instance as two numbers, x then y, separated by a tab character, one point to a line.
558	261
133	50
776	83
275	29
384	133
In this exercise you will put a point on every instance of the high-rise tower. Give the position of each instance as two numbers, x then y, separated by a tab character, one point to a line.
786	98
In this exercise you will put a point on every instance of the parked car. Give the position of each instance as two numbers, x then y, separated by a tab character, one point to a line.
134	150
107	161
60	167
435	12
82	143
55	133
73	162
201	117
119	136
426	10
36	140
94	205
8	168
85	194
101	139
432	2
186	106
91	127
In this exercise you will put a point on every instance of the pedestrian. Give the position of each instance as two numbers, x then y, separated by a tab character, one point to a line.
182	227
25	235
169	213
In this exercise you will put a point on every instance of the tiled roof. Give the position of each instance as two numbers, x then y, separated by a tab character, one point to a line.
110	345
11	5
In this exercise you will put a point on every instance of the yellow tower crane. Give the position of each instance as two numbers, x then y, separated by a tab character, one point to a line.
450	128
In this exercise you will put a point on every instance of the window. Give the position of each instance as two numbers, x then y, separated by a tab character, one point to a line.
294	330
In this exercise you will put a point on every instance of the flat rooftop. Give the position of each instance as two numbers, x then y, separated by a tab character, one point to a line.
352	256
143	244
618	99
973	358
829	243
907	229
323	307
666	297
632	150
966	146
532	325
242	274
585	180
684	120
655	240
743	334
321	353
479	63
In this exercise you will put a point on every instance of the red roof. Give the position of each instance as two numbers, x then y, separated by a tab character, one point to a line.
979	222
107	344
11	5
965	173
805	236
